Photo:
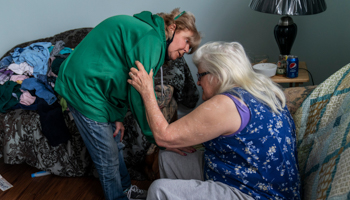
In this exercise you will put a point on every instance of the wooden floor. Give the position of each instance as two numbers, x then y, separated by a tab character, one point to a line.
50	187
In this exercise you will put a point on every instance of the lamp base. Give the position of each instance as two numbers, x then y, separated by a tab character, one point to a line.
285	32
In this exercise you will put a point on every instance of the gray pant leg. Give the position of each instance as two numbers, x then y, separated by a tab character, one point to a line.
170	189
182	178
175	166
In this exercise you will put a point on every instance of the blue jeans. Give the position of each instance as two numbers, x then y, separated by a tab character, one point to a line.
106	153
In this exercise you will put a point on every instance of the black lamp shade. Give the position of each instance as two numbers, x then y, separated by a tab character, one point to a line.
289	7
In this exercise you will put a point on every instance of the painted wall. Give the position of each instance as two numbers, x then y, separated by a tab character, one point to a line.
322	40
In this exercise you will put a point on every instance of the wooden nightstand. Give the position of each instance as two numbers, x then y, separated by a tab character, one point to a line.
303	76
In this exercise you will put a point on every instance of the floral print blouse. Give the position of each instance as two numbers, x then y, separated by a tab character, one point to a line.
260	160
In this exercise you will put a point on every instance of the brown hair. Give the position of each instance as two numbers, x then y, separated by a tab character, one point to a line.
185	22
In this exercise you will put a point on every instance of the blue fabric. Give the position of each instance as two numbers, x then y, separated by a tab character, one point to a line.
106	153
42	91
5	62
51	48
65	50
261	160
43	79
36	55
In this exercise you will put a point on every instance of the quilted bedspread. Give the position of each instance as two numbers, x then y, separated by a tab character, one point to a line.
323	139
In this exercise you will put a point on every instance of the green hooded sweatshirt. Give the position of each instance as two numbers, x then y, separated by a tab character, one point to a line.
93	79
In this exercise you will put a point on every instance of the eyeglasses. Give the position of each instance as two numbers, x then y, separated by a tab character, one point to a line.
200	75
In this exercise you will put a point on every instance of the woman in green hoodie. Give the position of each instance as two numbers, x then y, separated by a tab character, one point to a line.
93	81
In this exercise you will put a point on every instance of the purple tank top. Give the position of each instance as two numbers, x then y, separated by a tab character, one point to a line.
243	111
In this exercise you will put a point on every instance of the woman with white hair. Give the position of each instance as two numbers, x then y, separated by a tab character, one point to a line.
244	125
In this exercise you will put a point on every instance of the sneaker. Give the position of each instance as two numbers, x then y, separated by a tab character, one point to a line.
134	193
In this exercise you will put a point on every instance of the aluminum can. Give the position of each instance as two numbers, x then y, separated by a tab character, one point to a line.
292	66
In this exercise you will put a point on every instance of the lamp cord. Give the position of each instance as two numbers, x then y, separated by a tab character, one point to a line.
312	79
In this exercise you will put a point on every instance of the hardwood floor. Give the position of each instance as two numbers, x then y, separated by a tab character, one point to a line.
50	187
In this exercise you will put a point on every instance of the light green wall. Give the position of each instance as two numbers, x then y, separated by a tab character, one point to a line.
322	40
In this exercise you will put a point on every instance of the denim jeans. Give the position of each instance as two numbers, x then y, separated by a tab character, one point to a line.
5	62
106	153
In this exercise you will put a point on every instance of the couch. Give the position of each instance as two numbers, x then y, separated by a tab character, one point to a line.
21	131
322	118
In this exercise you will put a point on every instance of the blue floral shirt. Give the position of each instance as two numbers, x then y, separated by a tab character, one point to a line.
260	160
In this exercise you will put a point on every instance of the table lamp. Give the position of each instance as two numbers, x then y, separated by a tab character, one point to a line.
286	30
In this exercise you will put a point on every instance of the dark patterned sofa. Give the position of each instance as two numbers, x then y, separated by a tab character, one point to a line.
21	139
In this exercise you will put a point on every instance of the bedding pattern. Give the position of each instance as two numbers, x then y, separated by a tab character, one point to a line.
178	75
323	139
21	141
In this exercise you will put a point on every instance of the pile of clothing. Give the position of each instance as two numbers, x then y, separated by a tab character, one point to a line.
27	79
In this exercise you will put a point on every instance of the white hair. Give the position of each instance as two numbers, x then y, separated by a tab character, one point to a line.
229	63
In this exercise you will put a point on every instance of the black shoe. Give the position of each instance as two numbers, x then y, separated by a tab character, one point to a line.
135	193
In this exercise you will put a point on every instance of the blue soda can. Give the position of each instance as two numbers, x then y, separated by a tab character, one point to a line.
292	66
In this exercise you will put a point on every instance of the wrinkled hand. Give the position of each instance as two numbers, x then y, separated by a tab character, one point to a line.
182	150
140	79
119	127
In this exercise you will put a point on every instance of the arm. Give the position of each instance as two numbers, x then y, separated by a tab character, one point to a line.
215	117
149	51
